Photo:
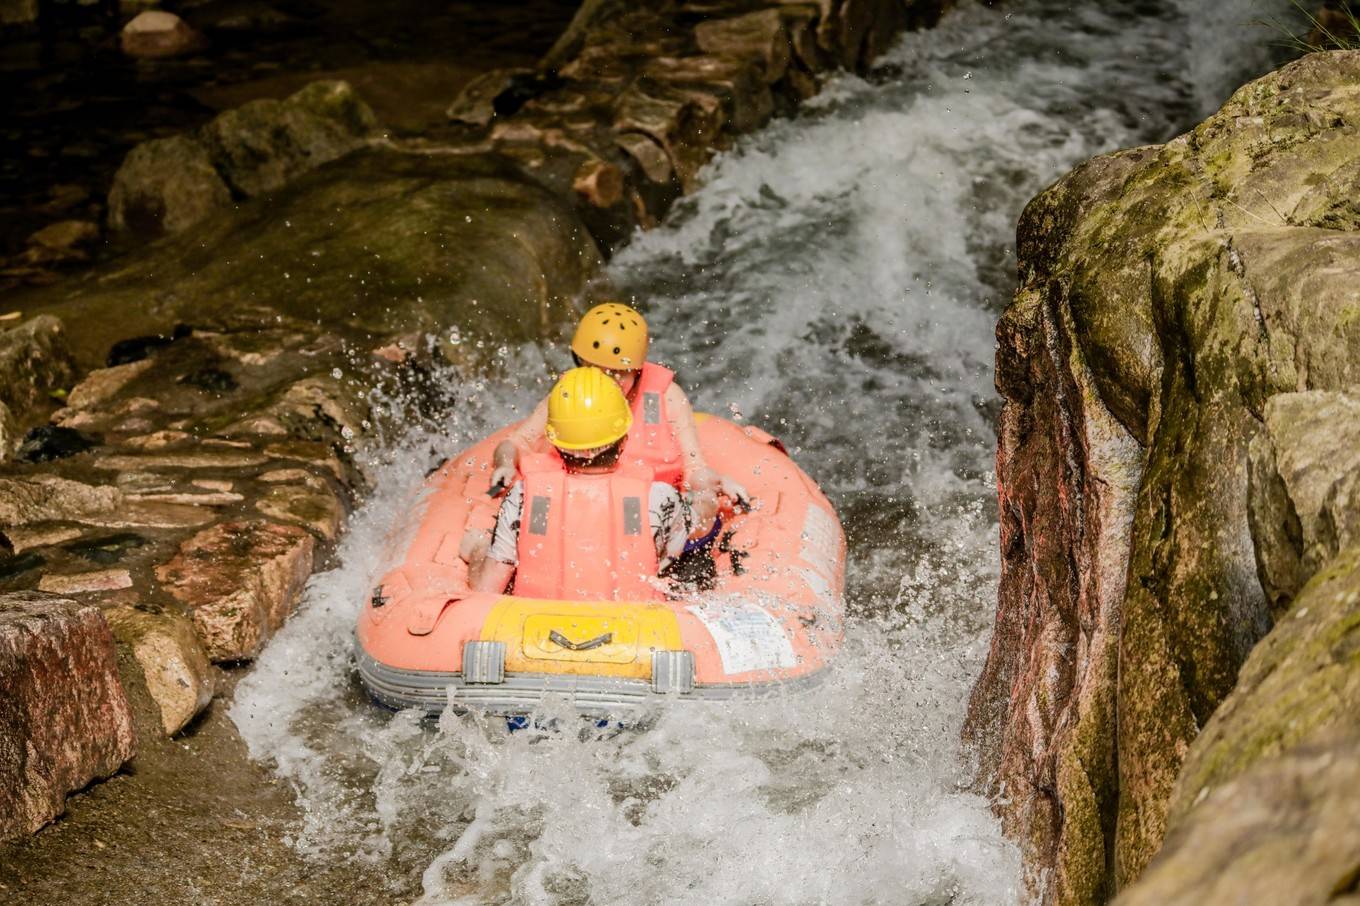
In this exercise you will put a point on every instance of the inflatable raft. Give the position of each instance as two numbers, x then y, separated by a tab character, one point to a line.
770	616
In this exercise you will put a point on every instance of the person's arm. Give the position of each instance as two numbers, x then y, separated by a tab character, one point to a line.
700	480
680	414
490	575
494	569
505	460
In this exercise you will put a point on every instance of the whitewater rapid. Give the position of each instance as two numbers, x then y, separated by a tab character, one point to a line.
836	281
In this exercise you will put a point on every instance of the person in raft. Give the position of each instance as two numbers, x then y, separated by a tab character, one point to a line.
585	523
613	338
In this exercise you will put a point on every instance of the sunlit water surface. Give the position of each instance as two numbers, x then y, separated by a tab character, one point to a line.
836	281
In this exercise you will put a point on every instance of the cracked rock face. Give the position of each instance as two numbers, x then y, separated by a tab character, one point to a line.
1171	297
239	581
55	735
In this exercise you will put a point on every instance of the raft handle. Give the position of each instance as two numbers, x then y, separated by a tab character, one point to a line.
483	662
568	644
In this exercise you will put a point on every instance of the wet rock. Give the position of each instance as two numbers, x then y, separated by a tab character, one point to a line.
738	83
158	440
190	498
264	144
476	103
172	660
682	125
432	232
48	442
1264	809
599	183
316	454
102	385
167	185
35	360
142	513
154	34
313	507
203	459
1167	299
239	580
61	242
24	538
81	583
760	36
650	156
64	719
1304	488
47	498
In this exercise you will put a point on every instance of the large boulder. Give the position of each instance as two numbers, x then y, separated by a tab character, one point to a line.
427	241
64	719
169	184
1167	295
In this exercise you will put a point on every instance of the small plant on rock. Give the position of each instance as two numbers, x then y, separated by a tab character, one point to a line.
1335	25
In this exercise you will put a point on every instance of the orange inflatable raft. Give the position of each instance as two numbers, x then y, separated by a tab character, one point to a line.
771	618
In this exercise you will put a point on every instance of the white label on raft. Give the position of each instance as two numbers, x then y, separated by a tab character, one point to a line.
821	540
748	637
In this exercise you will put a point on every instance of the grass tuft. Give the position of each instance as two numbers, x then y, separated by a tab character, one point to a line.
1332	27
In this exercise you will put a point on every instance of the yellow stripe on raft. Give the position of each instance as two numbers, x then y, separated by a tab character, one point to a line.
634	631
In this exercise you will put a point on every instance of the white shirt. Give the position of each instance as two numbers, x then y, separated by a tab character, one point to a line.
670	516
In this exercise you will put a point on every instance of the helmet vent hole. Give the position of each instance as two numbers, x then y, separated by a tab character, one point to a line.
617	350
604	322
597	344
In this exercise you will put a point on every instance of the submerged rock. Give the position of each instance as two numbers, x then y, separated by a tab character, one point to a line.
64	719
1169	297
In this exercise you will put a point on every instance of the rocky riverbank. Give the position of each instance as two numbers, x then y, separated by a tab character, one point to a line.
1174	667
179	441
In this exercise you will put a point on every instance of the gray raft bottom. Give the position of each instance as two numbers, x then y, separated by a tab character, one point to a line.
521	693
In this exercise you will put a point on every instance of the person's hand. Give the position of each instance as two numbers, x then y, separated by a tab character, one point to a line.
703	506
503	467
703	500
734	492
501	478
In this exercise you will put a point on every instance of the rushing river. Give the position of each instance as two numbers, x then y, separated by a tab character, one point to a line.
836	281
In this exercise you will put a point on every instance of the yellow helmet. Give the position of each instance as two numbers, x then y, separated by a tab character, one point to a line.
613	336
586	410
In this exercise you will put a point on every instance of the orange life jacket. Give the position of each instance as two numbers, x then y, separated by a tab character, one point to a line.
585	536
651	440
